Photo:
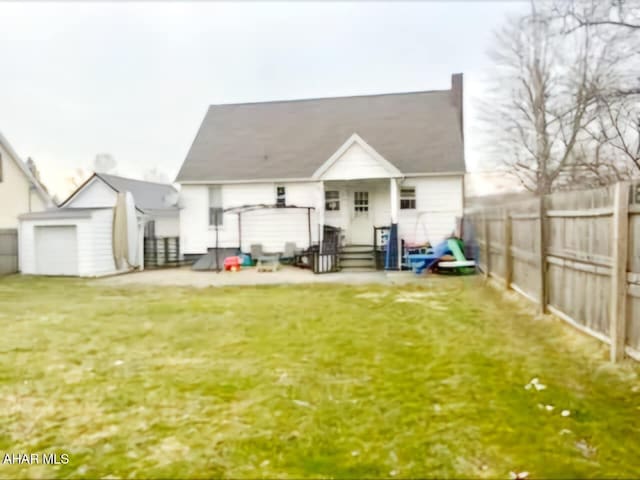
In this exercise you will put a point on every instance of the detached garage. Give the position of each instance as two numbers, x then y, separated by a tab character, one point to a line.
74	242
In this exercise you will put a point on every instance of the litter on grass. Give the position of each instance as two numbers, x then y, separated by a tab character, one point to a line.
374	296
586	449
535	383
302	403
565	413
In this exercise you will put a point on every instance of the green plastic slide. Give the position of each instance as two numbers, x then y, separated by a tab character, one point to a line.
456	249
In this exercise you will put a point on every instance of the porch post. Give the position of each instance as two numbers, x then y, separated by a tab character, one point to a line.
394	198
320	211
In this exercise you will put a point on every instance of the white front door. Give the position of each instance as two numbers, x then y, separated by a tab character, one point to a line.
361	227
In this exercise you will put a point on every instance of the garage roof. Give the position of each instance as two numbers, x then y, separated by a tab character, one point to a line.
148	196
60	213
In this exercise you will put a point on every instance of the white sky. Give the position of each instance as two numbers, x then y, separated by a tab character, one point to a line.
135	79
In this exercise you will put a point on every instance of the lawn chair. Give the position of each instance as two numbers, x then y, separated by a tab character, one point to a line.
289	253
264	263
268	263
256	250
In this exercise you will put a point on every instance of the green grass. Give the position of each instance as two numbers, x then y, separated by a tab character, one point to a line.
425	380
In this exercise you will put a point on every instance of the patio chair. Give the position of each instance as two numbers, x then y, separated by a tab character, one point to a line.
256	250
268	263
289	253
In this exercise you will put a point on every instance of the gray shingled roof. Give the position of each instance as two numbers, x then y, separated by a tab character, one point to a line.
417	132
147	195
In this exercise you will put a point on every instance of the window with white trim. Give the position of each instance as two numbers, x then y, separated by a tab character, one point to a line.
408	198
361	202
281	197
215	205
332	200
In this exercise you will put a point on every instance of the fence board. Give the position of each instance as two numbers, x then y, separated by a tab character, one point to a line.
633	277
161	252
571	252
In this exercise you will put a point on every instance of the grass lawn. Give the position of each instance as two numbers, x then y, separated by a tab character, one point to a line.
306	381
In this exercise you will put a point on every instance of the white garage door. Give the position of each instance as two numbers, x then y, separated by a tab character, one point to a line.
56	250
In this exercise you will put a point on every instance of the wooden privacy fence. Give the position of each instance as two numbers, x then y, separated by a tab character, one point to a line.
8	251
161	252
576	254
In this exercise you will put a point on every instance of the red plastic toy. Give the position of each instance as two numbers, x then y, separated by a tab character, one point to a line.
232	264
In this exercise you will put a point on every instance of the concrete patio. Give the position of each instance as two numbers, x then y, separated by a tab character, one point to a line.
187	277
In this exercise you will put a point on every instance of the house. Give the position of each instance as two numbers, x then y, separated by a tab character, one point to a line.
77	239
276	172
20	190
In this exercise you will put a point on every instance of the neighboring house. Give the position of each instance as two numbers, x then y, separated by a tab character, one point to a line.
350	162
78	239
20	190
159	201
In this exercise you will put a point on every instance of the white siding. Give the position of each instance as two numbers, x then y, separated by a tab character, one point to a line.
96	194
194	218
355	163
102	243
271	227
94	240
167	226
338	218
439	201
27	253
16	197
379	207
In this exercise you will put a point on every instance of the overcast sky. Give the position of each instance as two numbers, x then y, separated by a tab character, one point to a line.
135	79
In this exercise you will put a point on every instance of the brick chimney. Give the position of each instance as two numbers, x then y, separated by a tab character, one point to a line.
457	98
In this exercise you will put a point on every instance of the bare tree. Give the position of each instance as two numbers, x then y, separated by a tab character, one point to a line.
615	23
77	178
624	14
547	113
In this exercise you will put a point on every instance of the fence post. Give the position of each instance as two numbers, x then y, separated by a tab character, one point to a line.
620	237
166	250
508	265
485	244
542	261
